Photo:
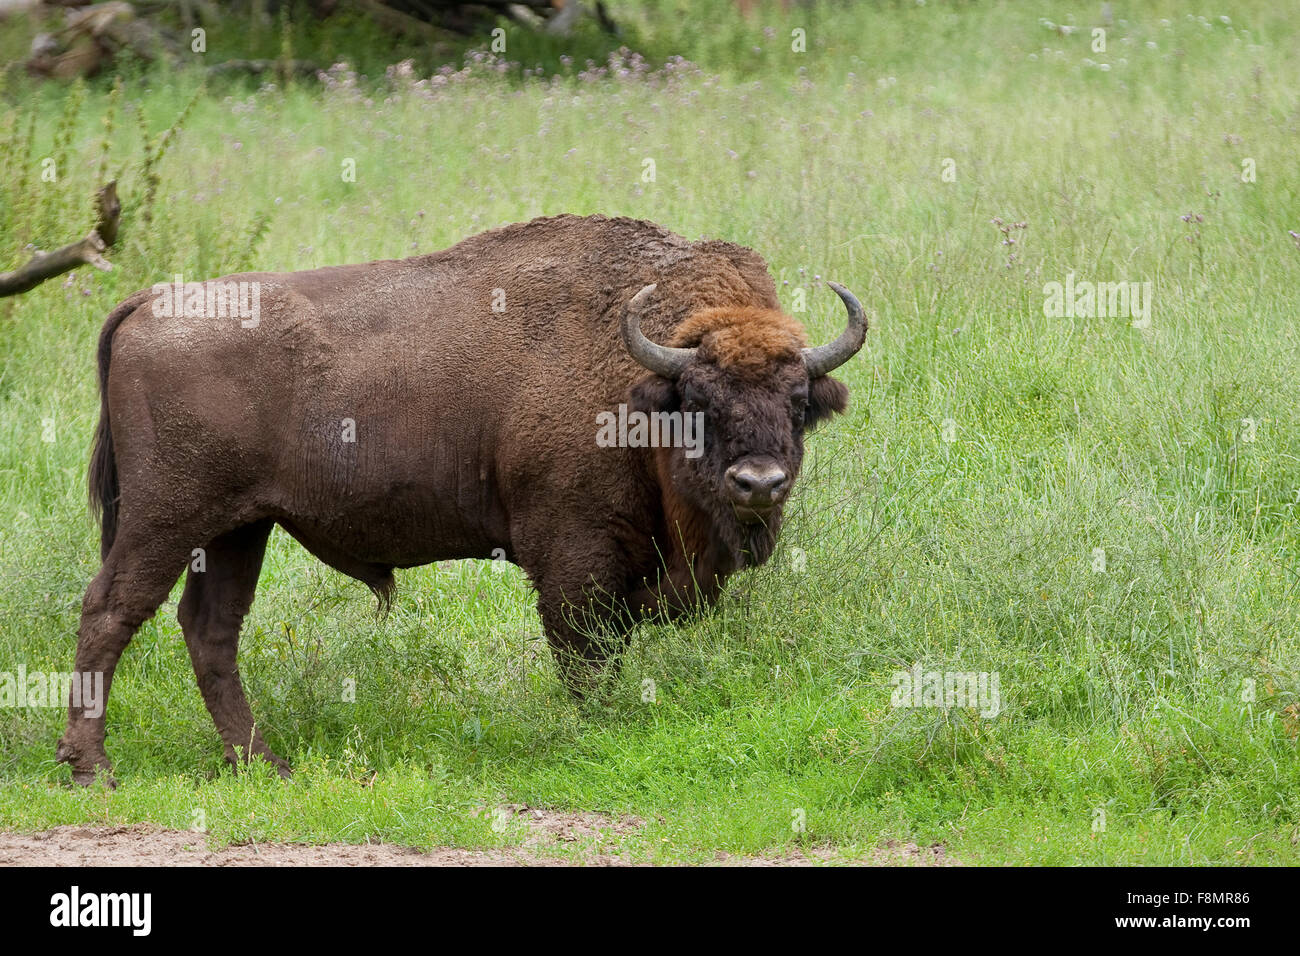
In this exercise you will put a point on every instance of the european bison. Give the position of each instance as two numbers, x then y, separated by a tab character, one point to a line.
396	413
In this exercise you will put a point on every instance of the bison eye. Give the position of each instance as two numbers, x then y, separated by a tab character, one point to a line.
693	396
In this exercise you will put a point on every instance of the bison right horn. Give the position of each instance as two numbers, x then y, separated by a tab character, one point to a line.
661	359
827	358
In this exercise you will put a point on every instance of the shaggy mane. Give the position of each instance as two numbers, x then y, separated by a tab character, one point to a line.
743	339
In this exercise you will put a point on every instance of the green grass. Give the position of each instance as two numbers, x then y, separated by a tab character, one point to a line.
962	546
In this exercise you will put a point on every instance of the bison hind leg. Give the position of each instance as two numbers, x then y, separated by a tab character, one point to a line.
136	576
211	611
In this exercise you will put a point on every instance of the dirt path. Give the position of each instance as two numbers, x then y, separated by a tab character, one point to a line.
555	838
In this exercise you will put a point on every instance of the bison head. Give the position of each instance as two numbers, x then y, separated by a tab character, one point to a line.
745	370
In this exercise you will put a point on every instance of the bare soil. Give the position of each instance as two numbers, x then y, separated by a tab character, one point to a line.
553	838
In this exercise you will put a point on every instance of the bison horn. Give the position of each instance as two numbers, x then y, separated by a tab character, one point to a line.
827	358
665	361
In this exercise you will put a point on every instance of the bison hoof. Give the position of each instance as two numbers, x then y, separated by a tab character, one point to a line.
87	778
236	759
86	771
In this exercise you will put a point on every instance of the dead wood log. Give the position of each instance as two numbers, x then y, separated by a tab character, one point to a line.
84	252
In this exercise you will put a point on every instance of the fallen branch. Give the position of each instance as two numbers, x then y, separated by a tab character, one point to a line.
396	20
85	252
297	67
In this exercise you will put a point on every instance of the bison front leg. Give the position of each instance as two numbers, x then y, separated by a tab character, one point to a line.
586	621
211	612
682	590
585	639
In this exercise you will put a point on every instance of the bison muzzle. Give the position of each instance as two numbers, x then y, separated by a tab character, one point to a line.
396	413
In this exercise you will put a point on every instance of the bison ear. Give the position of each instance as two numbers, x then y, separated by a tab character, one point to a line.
826	397
654	393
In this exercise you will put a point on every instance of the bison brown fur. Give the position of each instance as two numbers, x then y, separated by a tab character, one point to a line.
472	379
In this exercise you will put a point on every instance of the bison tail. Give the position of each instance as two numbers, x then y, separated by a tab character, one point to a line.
104	487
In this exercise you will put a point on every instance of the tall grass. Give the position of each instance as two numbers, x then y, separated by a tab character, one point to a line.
952	518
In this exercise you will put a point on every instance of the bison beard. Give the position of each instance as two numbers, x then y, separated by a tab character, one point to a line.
397	413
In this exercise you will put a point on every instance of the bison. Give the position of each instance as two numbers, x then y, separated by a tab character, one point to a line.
395	413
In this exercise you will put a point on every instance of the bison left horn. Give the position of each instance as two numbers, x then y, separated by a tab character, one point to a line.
827	358
665	361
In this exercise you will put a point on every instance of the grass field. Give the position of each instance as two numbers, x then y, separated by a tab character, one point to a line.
1103	511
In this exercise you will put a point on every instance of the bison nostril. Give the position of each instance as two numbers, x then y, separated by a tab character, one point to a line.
774	485
758	484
